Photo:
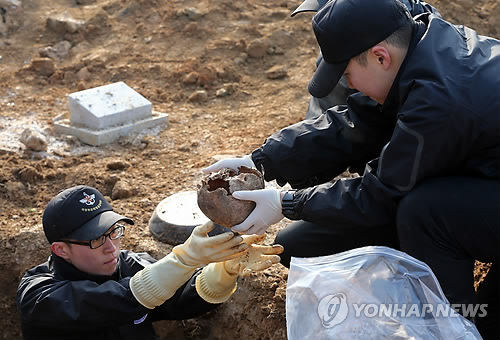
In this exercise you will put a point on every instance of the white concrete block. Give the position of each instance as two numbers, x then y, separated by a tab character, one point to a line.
111	134
107	106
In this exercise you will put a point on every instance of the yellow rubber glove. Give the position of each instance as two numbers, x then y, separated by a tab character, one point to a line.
201	249
217	281
158	282
258	257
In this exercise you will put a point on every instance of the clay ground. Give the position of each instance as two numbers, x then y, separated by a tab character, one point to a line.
252	60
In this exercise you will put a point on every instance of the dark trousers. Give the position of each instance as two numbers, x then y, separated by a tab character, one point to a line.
446	222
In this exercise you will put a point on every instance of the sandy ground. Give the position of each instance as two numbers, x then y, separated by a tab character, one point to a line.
229	73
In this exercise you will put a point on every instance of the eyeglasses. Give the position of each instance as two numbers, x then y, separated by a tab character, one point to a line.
114	234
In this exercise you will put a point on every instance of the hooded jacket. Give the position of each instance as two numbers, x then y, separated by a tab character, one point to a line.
58	301
441	118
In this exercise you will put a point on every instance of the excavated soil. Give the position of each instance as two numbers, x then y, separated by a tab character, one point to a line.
229	73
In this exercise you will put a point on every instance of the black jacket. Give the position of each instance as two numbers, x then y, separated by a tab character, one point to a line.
441	118
57	301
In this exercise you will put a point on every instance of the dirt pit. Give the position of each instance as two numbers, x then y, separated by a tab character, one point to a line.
229	73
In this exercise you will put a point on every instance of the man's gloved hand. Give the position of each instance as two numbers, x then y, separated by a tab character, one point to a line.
158	282
267	210
258	257
201	249
232	163
217	281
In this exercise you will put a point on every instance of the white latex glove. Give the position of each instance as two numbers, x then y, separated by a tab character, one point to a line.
267	210
201	249
232	163
217	281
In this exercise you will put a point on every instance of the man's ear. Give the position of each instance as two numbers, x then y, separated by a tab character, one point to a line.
382	56
61	249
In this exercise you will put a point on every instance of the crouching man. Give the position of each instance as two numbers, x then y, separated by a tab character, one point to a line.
90	289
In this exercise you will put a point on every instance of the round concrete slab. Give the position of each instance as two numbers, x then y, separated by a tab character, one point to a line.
176	216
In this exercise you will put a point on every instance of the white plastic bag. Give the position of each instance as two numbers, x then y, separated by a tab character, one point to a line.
369	293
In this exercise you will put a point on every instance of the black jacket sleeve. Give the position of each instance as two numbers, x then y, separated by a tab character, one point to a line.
312	152
425	142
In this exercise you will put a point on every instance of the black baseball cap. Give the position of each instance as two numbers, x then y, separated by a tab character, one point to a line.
309	6
345	29
79	213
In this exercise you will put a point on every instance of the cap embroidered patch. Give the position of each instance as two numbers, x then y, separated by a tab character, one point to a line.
88	199
93	208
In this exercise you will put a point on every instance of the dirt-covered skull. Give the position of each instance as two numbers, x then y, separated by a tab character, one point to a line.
215	195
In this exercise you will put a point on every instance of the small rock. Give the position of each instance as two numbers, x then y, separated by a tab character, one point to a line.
275	50
10	18
33	140
43	66
241	59
192	28
117	165
64	24
227	90
83	74
10	3
154	152
257	48
190	12
81	86
28	174
122	190
198	96
282	38
230	88
207	76
62	48
221	93
111	180
3	28
184	148
191	78
227	73
145	203
71	140
15	190
58	51
69	77
276	72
